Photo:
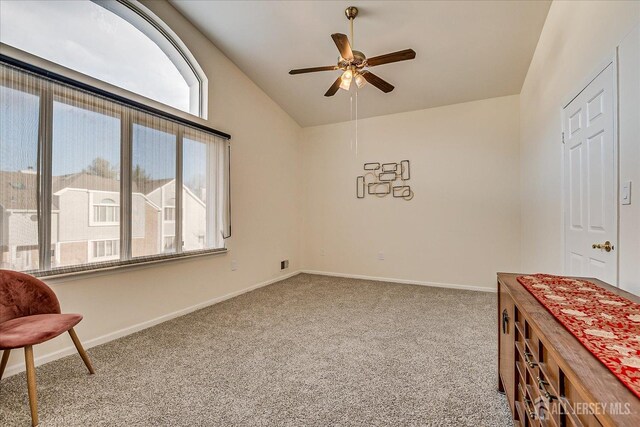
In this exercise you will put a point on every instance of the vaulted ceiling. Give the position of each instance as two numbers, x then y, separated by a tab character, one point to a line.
466	50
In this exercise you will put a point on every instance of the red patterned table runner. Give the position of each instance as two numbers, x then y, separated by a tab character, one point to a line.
606	324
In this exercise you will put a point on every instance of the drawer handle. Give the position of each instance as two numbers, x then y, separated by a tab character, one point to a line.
527	358
527	408
505	320
542	387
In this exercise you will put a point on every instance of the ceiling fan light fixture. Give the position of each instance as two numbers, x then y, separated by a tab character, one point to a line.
345	84
347	78
353	62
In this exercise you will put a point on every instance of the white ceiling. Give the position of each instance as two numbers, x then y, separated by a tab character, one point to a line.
466	50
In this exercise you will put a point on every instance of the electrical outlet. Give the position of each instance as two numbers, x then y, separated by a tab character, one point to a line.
284	264
234	265
381	256
322	252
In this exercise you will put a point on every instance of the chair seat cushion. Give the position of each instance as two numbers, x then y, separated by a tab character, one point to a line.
36	329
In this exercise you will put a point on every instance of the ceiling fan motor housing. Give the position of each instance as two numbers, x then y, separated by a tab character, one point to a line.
353	62
358	61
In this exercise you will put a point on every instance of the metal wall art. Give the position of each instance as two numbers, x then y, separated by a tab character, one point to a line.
384	179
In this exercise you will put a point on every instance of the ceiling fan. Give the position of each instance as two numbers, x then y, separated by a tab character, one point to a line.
353	63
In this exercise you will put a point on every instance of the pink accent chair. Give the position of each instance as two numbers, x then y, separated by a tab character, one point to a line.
30	315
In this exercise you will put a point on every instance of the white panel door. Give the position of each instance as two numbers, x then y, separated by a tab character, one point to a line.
590	185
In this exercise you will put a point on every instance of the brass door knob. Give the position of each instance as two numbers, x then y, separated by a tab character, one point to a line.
607	246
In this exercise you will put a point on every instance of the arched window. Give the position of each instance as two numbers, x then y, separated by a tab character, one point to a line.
87	157
115	41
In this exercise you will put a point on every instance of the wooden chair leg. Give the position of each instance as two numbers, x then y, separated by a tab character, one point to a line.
83	354
31	384
3	363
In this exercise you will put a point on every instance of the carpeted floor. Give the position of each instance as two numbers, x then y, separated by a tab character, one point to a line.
307	351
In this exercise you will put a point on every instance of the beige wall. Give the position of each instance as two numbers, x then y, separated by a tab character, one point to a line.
265	215
629	101
576	40
473	214
463	223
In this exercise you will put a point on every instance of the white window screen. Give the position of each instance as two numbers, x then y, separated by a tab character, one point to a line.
19	111
153	184
85	180
108	174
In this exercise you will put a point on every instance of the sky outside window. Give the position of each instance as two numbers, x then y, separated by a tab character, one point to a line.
85	37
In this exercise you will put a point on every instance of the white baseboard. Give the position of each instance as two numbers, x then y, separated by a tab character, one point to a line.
403	281
67	351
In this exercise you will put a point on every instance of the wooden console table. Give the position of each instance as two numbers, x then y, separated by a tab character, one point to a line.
549	377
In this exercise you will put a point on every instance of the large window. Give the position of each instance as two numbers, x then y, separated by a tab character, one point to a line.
87	180
112	40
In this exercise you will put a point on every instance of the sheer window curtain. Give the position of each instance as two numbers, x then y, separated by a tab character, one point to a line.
66	153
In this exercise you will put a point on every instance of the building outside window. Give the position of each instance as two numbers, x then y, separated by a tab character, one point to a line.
55	226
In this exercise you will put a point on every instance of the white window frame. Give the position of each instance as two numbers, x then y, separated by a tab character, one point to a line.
46	91
93	195
153	27
169	208
93	244
147	22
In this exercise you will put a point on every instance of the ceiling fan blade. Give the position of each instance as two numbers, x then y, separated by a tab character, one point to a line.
342	42
402	55
377	81
314	69
334	87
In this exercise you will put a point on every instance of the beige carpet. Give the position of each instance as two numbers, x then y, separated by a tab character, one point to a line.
307	351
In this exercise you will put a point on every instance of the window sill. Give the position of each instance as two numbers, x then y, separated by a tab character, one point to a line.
100	260
63	273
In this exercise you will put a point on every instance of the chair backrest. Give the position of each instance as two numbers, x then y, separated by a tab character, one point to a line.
24	295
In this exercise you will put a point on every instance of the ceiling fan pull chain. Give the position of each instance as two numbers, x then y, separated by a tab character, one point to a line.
351	118
356	121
